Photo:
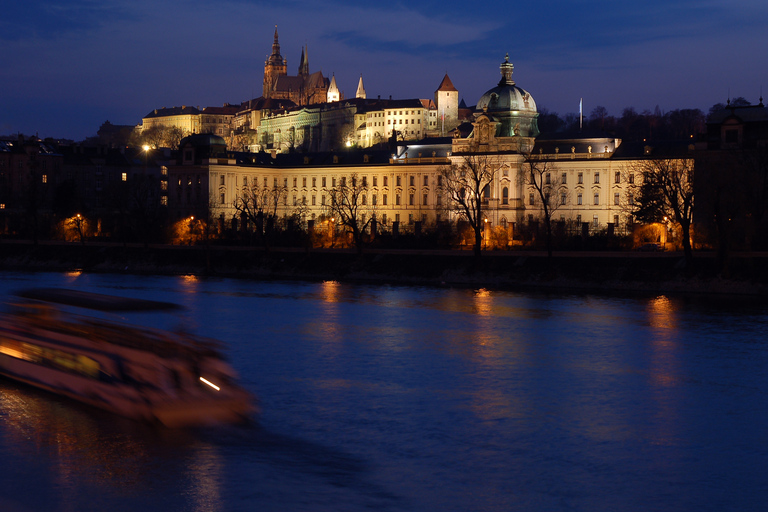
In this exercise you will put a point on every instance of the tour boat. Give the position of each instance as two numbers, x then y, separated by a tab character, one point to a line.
159	376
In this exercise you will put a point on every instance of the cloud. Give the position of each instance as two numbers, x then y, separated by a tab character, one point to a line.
50	19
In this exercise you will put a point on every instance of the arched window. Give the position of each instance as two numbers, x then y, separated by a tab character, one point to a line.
505	196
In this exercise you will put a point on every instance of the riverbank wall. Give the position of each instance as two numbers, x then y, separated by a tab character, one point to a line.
746	274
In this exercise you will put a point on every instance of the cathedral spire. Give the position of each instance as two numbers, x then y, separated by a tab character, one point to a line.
276	44
304	63
360	89
333	91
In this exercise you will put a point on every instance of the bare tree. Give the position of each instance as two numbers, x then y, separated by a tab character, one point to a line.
351	206
258	204
667	189
548	191
466	185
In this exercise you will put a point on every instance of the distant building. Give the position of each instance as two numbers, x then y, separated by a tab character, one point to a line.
305	88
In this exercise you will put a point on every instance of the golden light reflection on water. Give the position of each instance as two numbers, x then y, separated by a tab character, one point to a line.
206	474
36	422
664	367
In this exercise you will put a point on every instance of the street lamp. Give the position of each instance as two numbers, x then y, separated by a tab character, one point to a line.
333	231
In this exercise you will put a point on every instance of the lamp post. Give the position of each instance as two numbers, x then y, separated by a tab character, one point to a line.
333	231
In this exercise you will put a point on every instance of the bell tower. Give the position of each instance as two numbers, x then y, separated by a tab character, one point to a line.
275	66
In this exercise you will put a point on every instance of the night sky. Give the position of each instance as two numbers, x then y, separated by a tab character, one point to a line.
70	65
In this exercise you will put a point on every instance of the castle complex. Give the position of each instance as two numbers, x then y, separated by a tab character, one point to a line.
302	152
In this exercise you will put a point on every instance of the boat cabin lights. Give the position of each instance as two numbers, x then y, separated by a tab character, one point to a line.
206	381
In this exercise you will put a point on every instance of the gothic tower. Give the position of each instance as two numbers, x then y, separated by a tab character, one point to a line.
275	66
304	62
333	91
360	89
447	103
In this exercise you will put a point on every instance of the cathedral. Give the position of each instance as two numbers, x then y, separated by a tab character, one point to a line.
305	88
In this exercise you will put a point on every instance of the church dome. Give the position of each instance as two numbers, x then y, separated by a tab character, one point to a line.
511	105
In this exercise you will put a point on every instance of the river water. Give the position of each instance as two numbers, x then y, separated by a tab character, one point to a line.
420	399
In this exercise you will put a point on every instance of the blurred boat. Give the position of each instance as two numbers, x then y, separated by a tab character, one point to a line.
153	375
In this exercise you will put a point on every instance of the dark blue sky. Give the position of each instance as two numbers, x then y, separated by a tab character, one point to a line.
69	65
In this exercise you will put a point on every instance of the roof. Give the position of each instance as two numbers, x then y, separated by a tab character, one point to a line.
227	110
172	111
447	85
746	114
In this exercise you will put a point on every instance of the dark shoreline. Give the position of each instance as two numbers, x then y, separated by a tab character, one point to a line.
607	272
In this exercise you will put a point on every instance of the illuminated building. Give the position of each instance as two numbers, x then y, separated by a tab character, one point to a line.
306	153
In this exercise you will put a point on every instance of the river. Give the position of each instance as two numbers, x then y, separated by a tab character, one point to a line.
420	399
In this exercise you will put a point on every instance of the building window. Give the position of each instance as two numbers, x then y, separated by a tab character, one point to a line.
221	179
548	179
631	179
562	198
563	178
530	199
304	182
439	180
426	181
363	198
374	200
505	195
594	221
295	180
581	178
631	199
245	181
375	181
617	177
616	199
124	177
413	180
221	197
45	178
384	199
615	220
597	177
295	200
323	182
578	219
597	199
410	218
384	219
285	182
397	199
397	217
322	200
410	199
397	181
425	200
579	198
386	181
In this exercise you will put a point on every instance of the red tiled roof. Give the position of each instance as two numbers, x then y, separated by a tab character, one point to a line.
446	84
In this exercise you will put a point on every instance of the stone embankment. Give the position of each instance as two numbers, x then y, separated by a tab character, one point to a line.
615	272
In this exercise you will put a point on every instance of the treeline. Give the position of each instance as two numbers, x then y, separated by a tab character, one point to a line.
631	125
